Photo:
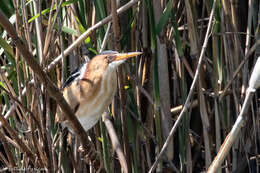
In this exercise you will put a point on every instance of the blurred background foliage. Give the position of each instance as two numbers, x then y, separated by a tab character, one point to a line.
152	87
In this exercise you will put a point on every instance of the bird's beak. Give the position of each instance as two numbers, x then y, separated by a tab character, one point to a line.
124	56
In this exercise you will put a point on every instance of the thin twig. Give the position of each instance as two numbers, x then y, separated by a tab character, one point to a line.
177	109
104	43
115	141
39	34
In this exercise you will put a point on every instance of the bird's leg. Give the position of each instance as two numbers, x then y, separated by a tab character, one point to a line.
90	155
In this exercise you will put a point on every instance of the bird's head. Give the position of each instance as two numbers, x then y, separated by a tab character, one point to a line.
107	60
114	59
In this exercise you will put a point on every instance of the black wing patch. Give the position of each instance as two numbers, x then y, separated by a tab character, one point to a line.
76	108
72	77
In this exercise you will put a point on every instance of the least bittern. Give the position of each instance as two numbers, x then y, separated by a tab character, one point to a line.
90	88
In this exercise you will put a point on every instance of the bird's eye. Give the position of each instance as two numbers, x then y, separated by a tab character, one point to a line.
110	58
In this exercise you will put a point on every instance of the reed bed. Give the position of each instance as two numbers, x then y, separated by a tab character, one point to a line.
175	105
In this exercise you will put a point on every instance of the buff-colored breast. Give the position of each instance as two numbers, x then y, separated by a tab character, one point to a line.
91	110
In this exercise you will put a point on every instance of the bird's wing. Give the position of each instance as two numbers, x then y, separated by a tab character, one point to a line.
72	77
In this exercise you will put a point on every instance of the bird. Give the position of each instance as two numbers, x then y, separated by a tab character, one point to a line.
91	87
